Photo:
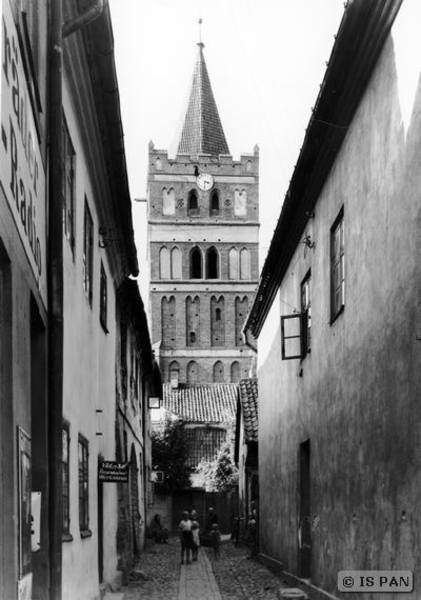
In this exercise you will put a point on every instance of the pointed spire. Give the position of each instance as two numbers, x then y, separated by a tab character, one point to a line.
202	131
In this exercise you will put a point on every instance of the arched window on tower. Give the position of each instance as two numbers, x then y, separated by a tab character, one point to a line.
176	263
192	372
174	373
212	263
164	263
192	321
168	322
214	203
218	372
244	264
217	321
241	310
235	372
192	203
233	264
196	263
168	202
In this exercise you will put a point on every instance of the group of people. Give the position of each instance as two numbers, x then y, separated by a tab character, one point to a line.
189	529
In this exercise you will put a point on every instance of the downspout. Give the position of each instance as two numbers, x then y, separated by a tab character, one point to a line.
55	282
55	300
88	15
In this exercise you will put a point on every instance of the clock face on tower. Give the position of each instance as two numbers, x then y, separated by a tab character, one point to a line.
204	181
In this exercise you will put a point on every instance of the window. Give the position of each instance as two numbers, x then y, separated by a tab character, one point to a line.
217	321
337	266
214	203
83	462
192	320
88	255
68	187
241	310
235	372
168	202
65	452
196	264
192	203
306	314
103	298
212	264
168	323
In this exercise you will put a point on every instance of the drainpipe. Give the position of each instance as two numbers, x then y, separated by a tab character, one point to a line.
88	15
55	299
55	282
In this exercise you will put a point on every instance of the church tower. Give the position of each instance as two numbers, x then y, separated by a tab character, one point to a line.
203	228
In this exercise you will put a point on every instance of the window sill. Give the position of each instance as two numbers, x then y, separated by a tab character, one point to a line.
66	537
85	533
337	315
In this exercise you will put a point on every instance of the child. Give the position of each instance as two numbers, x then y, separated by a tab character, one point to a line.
215	537
185	537
195	539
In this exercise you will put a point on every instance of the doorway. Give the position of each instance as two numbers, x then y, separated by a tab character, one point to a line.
304	528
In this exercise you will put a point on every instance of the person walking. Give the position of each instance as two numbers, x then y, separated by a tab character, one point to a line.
215	538
185	529
195	539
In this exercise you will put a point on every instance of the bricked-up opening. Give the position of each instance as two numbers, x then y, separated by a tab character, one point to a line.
196	264
217	321
244	264
192	321
164	263
218	372
241	310
192	372
168	202
233	264
174	374
235	372
212	264
214	203
168	322
192	203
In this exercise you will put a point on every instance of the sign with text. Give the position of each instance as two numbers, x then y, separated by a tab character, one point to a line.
110	471
22	174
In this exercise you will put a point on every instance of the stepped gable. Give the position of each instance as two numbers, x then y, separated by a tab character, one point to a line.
203	403
248	392
202	131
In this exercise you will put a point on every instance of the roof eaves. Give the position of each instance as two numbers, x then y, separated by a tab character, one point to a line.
363	30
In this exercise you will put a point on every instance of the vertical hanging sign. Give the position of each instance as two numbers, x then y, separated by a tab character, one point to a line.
22	175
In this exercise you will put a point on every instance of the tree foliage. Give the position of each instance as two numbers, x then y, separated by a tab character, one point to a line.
220	474
169	454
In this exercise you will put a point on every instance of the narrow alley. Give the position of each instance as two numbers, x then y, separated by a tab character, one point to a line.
160	575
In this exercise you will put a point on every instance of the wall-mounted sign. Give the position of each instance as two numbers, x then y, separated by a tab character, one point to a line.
110	471
154	402
22	175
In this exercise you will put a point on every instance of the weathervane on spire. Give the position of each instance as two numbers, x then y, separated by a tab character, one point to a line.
200	32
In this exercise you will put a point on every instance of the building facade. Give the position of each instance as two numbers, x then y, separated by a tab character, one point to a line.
203	224
339	421
66	250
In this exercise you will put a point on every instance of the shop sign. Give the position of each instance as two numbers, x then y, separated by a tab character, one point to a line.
22	175
110	471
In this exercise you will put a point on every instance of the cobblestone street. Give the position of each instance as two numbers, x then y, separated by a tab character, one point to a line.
234	576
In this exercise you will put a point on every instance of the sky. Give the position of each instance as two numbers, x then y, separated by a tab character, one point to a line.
266	60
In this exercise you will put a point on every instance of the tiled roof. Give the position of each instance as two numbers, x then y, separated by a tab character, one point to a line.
202	131
202	403
248	391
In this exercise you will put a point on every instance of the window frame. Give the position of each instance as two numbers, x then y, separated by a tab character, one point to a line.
305	298
83	485
88	252
68	186
103	298
65	487
337	267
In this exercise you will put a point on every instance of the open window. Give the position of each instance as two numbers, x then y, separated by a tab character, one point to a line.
292	329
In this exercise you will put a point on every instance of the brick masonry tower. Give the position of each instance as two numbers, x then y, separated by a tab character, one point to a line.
203	243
